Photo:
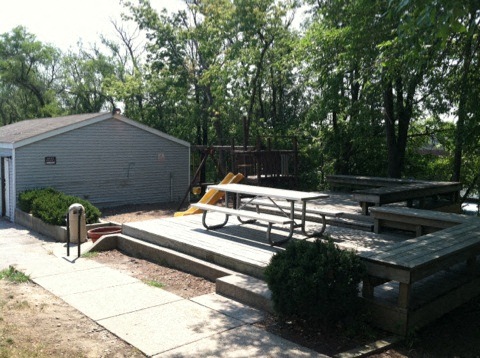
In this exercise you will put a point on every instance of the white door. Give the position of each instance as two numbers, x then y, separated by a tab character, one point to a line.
6	188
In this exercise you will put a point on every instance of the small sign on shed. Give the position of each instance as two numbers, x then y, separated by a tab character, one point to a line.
50	160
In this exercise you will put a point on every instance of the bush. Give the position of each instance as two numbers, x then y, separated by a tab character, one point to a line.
26	198
51	206
315	282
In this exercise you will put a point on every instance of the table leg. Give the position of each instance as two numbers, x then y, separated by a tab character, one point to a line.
304	219
471	265
367	288
269	238
213	227
364	205
404	295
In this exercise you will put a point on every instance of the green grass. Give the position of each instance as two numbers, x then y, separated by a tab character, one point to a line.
154	283
90	254
13	275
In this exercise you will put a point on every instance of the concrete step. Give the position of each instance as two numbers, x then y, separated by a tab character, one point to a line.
247	290
239	287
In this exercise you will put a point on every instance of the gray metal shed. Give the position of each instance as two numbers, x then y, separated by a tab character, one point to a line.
105	158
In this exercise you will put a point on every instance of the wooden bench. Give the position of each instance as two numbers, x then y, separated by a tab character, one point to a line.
251	215
359	181
410	261
406	193
417	220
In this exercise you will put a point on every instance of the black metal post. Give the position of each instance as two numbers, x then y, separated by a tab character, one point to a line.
68	235
78	238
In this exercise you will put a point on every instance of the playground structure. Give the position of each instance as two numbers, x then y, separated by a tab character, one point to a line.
265	164
211	197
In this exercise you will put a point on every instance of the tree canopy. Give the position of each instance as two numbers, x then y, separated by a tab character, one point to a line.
385	87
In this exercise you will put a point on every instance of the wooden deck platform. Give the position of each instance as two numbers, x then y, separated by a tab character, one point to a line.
241	248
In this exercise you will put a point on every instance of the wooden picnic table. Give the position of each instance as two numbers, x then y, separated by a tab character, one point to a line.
362	181
272	194
406	192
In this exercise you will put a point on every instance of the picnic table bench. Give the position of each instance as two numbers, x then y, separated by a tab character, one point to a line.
250	215
417	220
410	261
278	206
406	192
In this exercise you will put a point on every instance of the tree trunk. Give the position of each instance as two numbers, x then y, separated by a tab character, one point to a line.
394	170
462	110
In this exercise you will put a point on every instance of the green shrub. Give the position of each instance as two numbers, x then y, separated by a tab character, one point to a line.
26	198
51	206
315	282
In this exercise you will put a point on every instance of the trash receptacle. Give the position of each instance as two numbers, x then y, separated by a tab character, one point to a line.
74	212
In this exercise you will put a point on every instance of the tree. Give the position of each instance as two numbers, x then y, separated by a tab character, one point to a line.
222	59
85	76
127	82
454	25
380	57
29	77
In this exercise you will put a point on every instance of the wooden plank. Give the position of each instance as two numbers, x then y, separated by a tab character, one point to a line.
440	250
358	180
443	303
397	250
386	271
453	245
396	212
404	295
440	295
416	220
434	255
386	316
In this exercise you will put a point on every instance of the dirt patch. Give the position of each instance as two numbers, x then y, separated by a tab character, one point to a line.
174	281
132	213
34	323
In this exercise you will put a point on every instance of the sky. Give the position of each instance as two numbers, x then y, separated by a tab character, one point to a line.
62	23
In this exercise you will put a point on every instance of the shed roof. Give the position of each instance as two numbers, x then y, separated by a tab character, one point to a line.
32	130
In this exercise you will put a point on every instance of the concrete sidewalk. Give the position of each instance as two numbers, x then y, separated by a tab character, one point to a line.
158	323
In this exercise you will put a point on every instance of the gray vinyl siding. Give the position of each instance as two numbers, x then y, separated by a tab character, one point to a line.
109	163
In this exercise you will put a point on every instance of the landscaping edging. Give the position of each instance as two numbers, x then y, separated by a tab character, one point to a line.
58	233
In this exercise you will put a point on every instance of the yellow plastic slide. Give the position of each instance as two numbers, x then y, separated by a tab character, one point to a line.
212	196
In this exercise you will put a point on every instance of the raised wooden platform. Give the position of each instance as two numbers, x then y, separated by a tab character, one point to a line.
239	247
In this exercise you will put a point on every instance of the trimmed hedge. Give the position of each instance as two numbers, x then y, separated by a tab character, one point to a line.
51	206
315	282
